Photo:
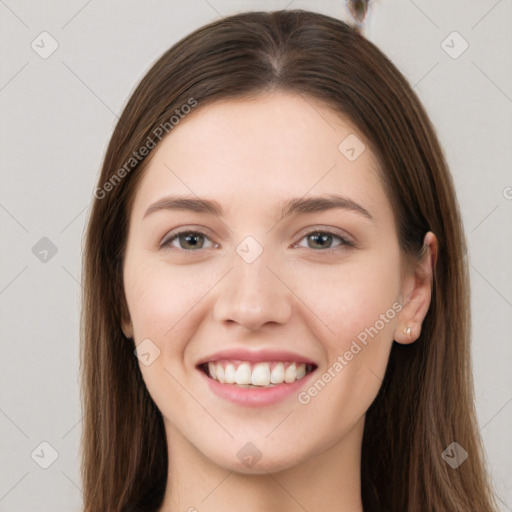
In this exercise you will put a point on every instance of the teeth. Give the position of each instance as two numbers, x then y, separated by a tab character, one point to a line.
301	371
261	374
229	374
211	369
243	374
277	375
290	373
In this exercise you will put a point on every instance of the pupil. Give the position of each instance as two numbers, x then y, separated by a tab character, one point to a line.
323	237
190	236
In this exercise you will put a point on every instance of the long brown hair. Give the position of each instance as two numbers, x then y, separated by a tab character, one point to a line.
426	400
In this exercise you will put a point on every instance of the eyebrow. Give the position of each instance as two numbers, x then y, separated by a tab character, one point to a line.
295	206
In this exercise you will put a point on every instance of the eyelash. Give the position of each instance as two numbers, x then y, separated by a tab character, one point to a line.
166	244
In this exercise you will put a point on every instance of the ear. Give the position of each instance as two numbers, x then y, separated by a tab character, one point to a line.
126	324
127	329
417	293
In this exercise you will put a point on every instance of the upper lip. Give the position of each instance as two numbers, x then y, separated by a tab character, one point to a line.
256	356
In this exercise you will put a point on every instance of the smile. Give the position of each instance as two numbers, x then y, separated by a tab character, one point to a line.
261	374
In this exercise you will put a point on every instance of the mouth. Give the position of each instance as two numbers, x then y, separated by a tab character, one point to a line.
248	374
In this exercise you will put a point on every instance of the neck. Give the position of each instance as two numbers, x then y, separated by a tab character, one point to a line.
329	481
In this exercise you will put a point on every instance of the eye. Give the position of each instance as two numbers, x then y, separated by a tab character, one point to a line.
322	240
188	240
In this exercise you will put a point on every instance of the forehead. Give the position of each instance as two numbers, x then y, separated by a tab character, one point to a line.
260	152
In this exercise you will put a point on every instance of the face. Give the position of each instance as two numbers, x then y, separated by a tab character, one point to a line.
251	285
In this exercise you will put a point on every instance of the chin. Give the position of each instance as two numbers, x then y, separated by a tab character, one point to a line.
250	461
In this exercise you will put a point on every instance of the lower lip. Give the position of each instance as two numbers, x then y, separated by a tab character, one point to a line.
255	397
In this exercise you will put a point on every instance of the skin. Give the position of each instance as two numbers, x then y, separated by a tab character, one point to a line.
299	295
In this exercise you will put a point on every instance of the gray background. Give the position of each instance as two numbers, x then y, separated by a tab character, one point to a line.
57	114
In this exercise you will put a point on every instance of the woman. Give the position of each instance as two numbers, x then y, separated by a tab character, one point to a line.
275	311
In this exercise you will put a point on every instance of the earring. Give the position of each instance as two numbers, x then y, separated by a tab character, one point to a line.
408	331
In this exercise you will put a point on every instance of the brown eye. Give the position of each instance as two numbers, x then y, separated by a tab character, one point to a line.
187	241
191	240
325	240
321	240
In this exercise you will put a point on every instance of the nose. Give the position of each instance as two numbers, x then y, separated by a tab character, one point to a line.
252	295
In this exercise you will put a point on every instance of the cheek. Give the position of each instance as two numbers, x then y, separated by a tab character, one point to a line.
162	298
358	303
163	302
352	297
